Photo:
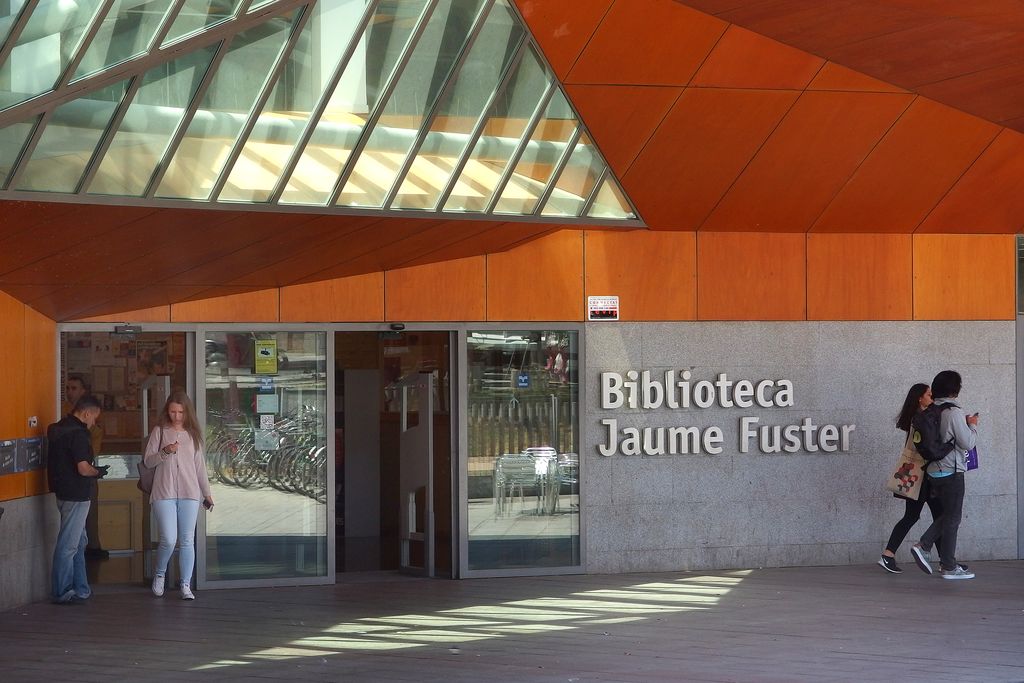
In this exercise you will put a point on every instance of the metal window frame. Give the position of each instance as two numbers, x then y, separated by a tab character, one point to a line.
15	33
143	63
385	96
524	141
428	119
262	98
298	23
556	172
589	204
299	148
481	123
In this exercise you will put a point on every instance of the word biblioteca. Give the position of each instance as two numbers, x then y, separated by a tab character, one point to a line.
677	391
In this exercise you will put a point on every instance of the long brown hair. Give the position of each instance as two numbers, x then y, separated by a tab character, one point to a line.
191	423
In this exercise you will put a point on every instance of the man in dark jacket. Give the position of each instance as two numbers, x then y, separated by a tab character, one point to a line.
72	478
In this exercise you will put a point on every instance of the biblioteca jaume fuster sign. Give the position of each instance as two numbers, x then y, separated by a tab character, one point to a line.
677	390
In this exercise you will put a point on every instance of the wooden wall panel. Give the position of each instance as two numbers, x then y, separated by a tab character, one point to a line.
259	306
744	59
35	482
989	198
449	290
907	174
13	424
751	276
647	42
965	277
859	277
359	298
153	314
13	486
539	280
698	151
562	28
40	371
654	274
806	161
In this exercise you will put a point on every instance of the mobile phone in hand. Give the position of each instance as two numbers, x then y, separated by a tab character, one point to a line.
208	505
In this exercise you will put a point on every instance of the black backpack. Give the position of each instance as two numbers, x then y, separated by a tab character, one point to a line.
927	426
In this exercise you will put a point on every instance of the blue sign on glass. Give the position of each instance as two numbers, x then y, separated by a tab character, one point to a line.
30	454
8	457
523	380
266	384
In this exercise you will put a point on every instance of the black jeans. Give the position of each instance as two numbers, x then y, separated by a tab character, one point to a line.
912	514
950	492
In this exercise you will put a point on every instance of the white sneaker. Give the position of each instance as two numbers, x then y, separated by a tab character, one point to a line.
158	586
958	573
186	592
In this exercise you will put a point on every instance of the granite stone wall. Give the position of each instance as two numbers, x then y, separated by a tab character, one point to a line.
677	512
28	531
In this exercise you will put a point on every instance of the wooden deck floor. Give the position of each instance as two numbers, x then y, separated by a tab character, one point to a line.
797	624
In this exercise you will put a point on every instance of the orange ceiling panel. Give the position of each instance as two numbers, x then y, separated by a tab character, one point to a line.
63	233
964	54
539	280
449	290
647	42
916	163
116	301
399	253
18	217
859	277
948	281
313	256
253	306
153	314
698	151
157	245
989	198
272	238
813	25
751	276
743	59
908	57
837	77
654	274
498	238
352	299
562	28
805	162
622	118
368	247
996	94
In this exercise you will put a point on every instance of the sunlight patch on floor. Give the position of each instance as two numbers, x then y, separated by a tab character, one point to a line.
541	614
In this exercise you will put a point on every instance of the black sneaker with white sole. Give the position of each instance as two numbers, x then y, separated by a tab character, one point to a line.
889	564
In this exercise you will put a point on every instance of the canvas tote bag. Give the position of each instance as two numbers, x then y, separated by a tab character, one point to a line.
906	479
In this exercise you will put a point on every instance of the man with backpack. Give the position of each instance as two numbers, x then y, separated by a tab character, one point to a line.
943	434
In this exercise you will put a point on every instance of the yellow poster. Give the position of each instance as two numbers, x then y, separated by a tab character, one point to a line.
265	357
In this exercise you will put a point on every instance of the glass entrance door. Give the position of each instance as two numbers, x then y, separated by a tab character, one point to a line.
416	473
265	402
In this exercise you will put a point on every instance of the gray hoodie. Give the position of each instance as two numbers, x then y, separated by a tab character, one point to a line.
954	426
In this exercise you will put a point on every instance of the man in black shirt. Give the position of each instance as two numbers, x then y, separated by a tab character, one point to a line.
72	478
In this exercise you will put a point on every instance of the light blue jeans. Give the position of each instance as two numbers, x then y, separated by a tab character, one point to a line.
176	520
68	578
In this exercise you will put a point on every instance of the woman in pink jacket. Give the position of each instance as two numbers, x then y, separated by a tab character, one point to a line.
175	449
